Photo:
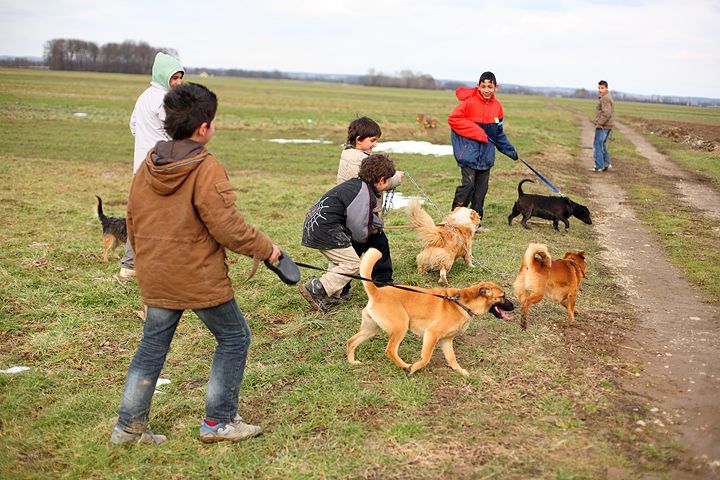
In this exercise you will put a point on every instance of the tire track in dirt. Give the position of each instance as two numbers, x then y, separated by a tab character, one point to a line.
677	337
691	190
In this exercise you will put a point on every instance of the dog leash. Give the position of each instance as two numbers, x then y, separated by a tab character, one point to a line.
455	298
547	182
542	178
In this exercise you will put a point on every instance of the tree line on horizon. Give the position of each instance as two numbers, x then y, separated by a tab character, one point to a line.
82	55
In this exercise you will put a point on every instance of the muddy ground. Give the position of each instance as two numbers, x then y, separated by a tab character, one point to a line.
697	136
677	339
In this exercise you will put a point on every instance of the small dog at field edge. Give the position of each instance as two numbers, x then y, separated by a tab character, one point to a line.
557	209
555	280
114	230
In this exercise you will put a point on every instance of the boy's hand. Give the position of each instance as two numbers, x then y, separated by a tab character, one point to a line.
401	174
275	255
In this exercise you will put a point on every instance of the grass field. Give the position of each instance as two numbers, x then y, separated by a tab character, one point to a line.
541	403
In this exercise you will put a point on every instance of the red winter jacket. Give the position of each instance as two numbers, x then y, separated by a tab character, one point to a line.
476	120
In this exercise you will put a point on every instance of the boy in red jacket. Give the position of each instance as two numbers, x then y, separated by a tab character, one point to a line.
477	129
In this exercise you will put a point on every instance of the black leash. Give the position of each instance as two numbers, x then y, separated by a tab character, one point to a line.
455	298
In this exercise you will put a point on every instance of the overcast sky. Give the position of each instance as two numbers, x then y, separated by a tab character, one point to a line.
649	47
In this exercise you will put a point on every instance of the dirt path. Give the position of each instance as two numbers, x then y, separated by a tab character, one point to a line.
678	336
691	189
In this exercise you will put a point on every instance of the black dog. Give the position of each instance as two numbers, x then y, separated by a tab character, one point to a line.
114	230
550	208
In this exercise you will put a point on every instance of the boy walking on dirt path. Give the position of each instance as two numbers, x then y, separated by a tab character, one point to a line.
363	134
477	129
343	216
146	125
604	123
181	218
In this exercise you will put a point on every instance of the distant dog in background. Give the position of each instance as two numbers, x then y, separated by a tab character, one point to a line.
114	231
555	280
446	242
426	121
557	209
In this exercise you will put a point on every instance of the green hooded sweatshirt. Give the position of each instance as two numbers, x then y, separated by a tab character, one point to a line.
165	67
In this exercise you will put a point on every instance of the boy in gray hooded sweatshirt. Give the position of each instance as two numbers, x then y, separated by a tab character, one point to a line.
146	125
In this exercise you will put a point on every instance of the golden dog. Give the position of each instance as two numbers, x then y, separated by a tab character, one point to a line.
555	280
436	320
446	242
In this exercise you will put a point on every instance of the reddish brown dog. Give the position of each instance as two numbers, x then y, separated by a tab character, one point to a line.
437	320
555	280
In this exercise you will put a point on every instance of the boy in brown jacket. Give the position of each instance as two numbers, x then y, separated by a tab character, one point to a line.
181	218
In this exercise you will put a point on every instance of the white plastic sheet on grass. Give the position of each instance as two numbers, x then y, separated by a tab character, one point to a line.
416	147
399	201
12	370
160	382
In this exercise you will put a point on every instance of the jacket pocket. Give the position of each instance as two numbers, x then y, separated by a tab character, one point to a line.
226	192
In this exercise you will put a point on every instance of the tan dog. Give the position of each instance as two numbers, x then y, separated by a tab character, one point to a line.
436	320
555	280
446	242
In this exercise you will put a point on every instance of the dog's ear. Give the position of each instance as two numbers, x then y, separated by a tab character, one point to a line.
581	254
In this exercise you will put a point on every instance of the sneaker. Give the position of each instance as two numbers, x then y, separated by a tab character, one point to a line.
120	436
607	167
597	170
314	292
126	272
228	432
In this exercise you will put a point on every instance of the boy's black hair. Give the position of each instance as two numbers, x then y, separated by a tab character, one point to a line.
188	106
375	167
603	83
363	128
487	76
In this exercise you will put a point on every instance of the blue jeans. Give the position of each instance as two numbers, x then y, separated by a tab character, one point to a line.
600	153
232	334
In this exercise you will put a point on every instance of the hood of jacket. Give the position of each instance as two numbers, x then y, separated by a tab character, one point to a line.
463	93
170	163
165	67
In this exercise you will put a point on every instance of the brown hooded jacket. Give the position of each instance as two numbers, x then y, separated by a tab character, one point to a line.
181	217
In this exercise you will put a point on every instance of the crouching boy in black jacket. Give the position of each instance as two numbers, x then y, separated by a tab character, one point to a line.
341	216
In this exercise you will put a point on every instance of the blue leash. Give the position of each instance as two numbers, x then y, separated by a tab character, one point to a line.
547	182
542	178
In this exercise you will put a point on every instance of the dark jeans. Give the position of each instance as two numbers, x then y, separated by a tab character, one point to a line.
471	192
232	334
383	269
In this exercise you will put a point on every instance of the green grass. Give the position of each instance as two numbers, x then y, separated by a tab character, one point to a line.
534	398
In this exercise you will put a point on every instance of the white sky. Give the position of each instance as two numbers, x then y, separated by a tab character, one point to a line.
648	47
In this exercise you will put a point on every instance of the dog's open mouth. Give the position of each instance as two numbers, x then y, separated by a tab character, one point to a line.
500	313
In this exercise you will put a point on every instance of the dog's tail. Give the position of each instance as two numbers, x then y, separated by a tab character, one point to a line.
99	210
520	192
367	262
426	229
539	249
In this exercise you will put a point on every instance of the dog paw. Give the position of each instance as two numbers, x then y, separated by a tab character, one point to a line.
471	265
463	372
355	362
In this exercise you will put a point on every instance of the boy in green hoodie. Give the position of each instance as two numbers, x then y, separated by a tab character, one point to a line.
146	125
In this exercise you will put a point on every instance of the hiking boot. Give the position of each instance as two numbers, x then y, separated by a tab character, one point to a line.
346	296
228	432
314	292
120	436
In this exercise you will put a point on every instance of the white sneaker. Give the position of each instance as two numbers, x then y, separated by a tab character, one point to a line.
126	272
228	432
